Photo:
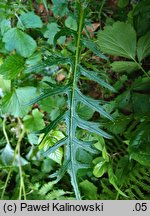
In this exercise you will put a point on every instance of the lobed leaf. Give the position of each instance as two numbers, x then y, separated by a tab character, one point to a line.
94	104
20	41
95	77
12	66
118	40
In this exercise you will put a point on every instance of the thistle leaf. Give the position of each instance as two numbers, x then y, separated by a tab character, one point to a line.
95	77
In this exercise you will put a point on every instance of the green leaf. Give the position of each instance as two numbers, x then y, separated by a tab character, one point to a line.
71	23
59	8
139	146
143	47
94	48
63	32
29	20
123	3
118	40
93	127
84	111
93	104
5	26
89	190
7	157
14	102
12	66
49	92
119	125
35	121
114	181
123	169
52	29
141	103
100	168
34	59
95	77
51	140
22	42
5	85
53	148
124	66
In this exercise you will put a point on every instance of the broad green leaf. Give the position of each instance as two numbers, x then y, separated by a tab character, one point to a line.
118	40
53	148
124	66
5	25
143	47
56	103
122	3
100	168
29	20
14	102
20	41
7	157
123	169
141	18
139	146
59	8
84	111
141	84
123	100
71	23
114	181
141	103
49	141
12	66
35	121
5	84
89	190
119	125
100	145
34	59
52	29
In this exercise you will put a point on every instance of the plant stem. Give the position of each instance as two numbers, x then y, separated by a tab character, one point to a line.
22	186
141	68
17	149
72	105
4	130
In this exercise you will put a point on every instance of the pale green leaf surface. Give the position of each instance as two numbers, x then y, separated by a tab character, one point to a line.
7	157
71	23
5	25
20	41
5	84
118	40
29	20
139	146
143	47
89	190
124	66
12	66
100	168
51	31
14	102
35	121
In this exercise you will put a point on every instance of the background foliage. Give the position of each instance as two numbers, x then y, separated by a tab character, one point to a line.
74	99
